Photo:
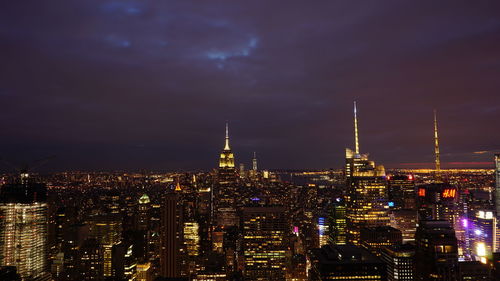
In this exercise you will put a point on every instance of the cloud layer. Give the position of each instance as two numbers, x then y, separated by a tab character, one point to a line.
149	84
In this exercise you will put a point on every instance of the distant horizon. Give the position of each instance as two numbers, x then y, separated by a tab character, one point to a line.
411	166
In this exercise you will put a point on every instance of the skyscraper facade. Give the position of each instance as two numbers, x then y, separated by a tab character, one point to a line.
497	183
436	252
366	195
226	187
337	224
264	243
23	227
171	231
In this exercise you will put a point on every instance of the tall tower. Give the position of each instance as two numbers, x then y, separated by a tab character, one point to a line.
254	161
366	191
497	183
226	189
171	221
436	149
227	156
23	227
356	136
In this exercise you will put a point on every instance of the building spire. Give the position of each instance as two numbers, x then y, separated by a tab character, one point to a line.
226	146
254	161
356	140
436	147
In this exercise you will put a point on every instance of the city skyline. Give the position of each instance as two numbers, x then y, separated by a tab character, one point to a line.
136	85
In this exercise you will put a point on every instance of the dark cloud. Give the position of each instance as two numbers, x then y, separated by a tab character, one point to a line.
149	84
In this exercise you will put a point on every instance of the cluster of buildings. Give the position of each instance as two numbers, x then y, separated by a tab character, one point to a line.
358	223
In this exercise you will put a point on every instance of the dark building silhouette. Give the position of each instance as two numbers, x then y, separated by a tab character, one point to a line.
436	253
345	262
171	221
401	191
375	239
400	262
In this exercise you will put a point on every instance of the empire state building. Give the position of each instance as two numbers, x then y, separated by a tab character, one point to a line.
226	188
227	172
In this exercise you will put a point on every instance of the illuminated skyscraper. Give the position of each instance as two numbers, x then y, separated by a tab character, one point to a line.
144	212
254	161
322	231
497	183
438	201
227	186
482	234
264	246
436	149
107	230
366	196
337	224
227	172
23	227
191	238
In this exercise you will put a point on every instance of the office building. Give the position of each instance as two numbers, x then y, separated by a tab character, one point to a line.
366	196
497	183
345	262
401	191
436	253
23	227
399	260
438	201
264	244
374	239
482	233
107	230
171	233
405	221
337	223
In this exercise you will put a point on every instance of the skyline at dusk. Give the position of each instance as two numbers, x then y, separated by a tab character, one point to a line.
132	85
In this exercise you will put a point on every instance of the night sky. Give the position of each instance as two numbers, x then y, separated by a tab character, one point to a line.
108	85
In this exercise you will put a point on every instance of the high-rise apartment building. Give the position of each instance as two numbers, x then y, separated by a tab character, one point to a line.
23	227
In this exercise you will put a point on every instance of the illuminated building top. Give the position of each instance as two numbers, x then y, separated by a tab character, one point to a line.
226	157
144	199
436	149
